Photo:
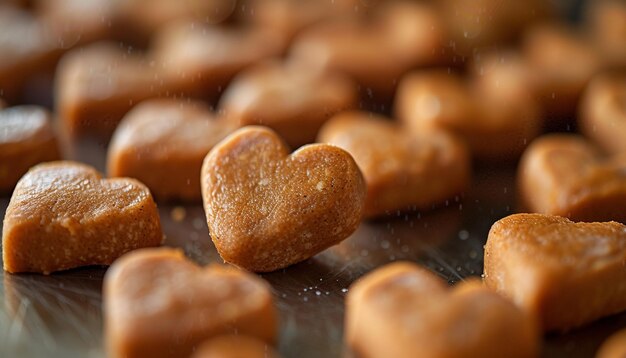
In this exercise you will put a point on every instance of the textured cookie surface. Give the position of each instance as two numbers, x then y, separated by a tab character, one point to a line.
566	175
565	273
64	215
267	209
162	143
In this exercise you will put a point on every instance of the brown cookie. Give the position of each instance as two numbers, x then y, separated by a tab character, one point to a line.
473	25
235	346
565	175
496	123
64	215
26	139
564	273
98	84
290	98
157	303
139	22
375	51
561	63
200	60
606	22
603	112
401	309
267	209
614	346
403	170
27	47
162	143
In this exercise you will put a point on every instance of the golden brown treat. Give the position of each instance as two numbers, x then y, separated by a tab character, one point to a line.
564	273
561	62
377	51
403	170
603	112
98	84
401	309
235	346
200	60
267	209
64	215
614	346
289	17
565	175
157	303
27	47
483	23
290	98
162	143
143	21
606	21
497	123
26	139
77	22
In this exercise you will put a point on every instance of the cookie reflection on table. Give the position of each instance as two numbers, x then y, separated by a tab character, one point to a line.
58	312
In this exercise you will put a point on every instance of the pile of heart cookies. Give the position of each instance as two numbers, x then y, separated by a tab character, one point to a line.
295	122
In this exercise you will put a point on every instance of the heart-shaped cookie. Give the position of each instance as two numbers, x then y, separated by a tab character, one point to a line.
162	143
403	310
292	99
565	175
26	139
267	209
493	117
159	304
376	50
564	273
403	170
603	112
64	215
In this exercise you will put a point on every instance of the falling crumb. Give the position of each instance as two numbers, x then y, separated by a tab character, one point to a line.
178	213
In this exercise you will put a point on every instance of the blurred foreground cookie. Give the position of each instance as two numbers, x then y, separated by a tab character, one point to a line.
98	84
614	346
290	98
162	143
403	170
26	138
159	304
565	273
235	346
64	215
403	310
603	112
268	209
566	175
495	117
